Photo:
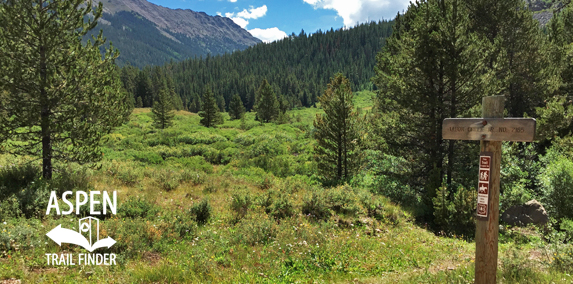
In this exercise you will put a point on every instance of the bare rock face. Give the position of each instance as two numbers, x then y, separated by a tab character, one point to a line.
531	212
187	22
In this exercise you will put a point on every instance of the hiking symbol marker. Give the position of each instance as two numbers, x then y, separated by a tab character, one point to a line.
62	235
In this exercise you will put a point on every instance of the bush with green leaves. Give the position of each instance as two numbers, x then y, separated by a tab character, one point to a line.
315	206
282	207
241	201
202	211
148	157
15	177
457	215
255	228
137	207
557	186
18	234
10	208
185	225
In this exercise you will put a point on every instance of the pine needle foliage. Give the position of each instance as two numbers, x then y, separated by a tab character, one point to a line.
337	132
63	96
163	110
267	105
236	108
210	115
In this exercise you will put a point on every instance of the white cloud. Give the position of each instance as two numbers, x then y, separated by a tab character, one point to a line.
253	13
232	1
241	17
240	21
268	35
360	11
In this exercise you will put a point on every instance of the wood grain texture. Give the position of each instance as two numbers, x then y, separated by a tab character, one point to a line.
489	129
487	231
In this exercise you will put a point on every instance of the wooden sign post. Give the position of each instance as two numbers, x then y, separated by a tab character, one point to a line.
491	130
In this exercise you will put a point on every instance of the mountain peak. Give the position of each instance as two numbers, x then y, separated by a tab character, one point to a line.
203	34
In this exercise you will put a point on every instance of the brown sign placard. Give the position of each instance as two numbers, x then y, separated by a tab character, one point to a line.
484	183
489	129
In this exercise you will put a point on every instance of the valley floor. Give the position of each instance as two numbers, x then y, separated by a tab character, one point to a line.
238	204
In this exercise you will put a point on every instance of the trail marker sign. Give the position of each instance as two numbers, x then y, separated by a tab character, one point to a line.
484	184
491	130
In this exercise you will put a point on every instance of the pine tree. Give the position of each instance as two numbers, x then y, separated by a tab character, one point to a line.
517	54
163	109
430	69
210	115
143	88
267	106
64	97
336	132
236	108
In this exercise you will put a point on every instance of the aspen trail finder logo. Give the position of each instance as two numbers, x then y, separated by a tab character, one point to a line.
87	235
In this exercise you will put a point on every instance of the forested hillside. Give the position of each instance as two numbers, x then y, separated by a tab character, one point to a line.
298	68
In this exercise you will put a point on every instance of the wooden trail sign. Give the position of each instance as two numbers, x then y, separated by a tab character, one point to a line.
490	130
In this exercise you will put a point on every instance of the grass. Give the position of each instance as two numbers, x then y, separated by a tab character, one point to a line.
235	204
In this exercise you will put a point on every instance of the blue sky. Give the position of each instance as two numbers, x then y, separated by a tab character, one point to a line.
274	19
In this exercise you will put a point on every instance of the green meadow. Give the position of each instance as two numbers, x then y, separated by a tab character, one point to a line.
240	203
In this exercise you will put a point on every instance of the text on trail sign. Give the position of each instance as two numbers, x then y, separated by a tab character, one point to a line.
483	184
489	129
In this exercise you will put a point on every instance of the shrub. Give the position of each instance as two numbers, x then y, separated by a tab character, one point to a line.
202	211
129	176
148	157
457	215
210	187
197	178
69	178
14	177
282	207
201	138
557	186
10	208
20	234
373	205
185	225
266	200
137	207
266	182
315	206
168	179
196	163
34	199
241	201
343	200
255	228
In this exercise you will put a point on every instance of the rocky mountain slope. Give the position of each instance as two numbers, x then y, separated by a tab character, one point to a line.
146	33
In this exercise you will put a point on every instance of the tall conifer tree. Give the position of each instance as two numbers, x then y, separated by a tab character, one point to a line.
163	109
210	115
336	132
430	69
63	96
267	106
236	108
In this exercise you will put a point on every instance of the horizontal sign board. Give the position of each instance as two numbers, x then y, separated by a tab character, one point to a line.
489	129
